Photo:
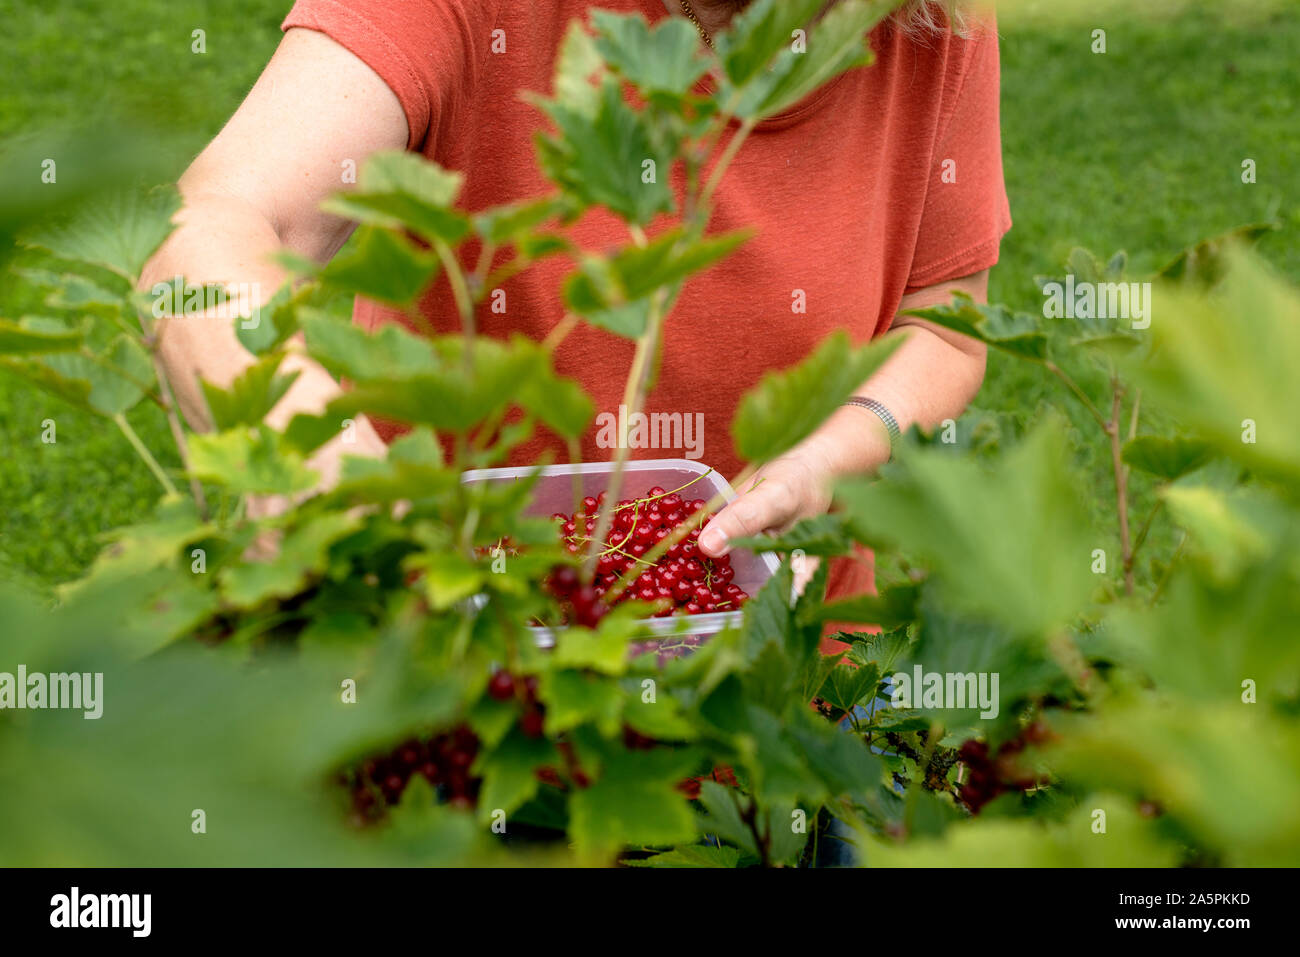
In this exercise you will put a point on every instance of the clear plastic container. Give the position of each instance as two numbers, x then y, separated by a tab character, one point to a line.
554	493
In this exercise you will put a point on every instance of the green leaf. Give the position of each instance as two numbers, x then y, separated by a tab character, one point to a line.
418	447
661	719
837	43
628	321
634	802
1013	542
560	403
116	379
1223	365
345	349
509	773
723	817
515	221
822	535
1018	333
692	855
272	323
119	232
573	698
604	650
1206	262
449	577
401	189
249	460
756	36
576	63
847	686
1231	531
664	59
382	265
455	398
614	157
635	273
881	649
251	396
1167	458
302	553
889	608
786	407
19	339
1130	841
1223	772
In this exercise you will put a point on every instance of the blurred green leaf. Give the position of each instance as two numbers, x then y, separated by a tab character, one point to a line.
249	461
398	189
1018	333
1223	365
251	396
1012	543
119	232
786	407
19	339
1167	458
301	554
383	265
664	58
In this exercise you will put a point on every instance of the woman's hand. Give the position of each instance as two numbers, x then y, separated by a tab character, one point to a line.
795	486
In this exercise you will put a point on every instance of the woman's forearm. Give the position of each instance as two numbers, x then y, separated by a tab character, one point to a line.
221	240
927	380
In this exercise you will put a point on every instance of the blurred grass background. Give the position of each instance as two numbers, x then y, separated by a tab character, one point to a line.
1138	149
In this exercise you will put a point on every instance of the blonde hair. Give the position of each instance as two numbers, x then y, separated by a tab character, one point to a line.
924	18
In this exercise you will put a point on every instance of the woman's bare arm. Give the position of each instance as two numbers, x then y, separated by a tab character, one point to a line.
932	376
258	187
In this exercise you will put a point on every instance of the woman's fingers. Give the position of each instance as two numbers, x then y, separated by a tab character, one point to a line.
767	506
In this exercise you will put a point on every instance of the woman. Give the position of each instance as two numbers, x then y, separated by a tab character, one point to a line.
880	192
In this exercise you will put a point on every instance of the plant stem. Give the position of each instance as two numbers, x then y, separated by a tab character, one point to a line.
728	154
560	332
168	402
633	398
749	814
1073	386
1146	527
142	450
460	292
914	786
1121	482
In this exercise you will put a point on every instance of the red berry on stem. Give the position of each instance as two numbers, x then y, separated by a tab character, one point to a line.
532	723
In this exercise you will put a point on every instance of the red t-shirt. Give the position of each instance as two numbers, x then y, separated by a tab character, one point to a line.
886	180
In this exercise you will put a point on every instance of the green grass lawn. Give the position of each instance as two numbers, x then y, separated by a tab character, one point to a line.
1139	148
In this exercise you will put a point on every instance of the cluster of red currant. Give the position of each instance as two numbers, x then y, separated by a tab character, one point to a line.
684	579
993	775
444	760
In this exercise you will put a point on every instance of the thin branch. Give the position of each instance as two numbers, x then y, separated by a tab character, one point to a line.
142	450
1121	483
1146	526
460	292
634	393
1073	386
